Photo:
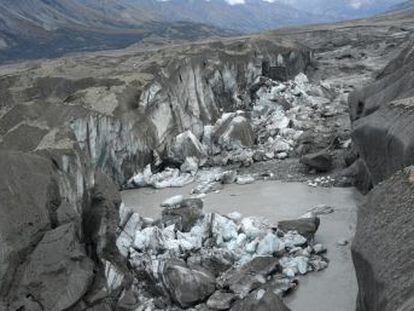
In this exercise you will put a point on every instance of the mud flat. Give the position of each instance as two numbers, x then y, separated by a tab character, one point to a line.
332	289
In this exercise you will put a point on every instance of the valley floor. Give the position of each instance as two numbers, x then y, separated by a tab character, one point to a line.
334	288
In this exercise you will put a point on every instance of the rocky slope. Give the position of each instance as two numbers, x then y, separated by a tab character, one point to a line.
383	246
381	115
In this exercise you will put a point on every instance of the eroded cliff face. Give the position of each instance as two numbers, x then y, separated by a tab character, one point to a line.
383	246
73	130
382	121
382	116
149	98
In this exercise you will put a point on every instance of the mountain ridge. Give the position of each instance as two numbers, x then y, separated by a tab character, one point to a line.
32	29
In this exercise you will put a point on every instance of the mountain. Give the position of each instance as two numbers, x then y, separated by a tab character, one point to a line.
405	7
257	15
48	28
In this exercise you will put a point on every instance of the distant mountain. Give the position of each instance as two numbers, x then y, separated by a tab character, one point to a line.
403	7
258	15
48	28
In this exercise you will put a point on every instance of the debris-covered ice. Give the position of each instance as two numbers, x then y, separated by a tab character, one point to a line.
218	258
272	123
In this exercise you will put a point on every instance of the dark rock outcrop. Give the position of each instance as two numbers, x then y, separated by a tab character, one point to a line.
221	300
186	145
321	161
382	115
183	215
57	274
187	286
306	227
29	199
260	300
383	246
234	130
251	276
59	225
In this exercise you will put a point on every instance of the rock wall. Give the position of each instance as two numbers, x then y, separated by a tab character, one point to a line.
382	116
57	233
383	246
382	121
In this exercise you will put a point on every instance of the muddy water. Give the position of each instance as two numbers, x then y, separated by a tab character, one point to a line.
332	289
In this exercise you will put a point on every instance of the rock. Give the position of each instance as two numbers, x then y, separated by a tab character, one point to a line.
269	245
58	272
149	239
216	260
128	300
169	177
187	286
190	165
294	265
184	213
382	115
254	227
244	180
319	248
186	145
321	161
235	216
280	285
343	242
28	190
292	239
306	227
228	177
233	130
223	229
114	276
382	249
260	300
250	276
127	235
173	202
221	300
124	214
321	209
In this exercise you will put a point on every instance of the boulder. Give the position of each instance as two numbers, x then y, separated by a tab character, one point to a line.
221	300
187	286
233	130
260	300
127	235
190	165
241	281
186	145
184	214
58	272
228	177
29	198
304	226
215	260
383	246
321	161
